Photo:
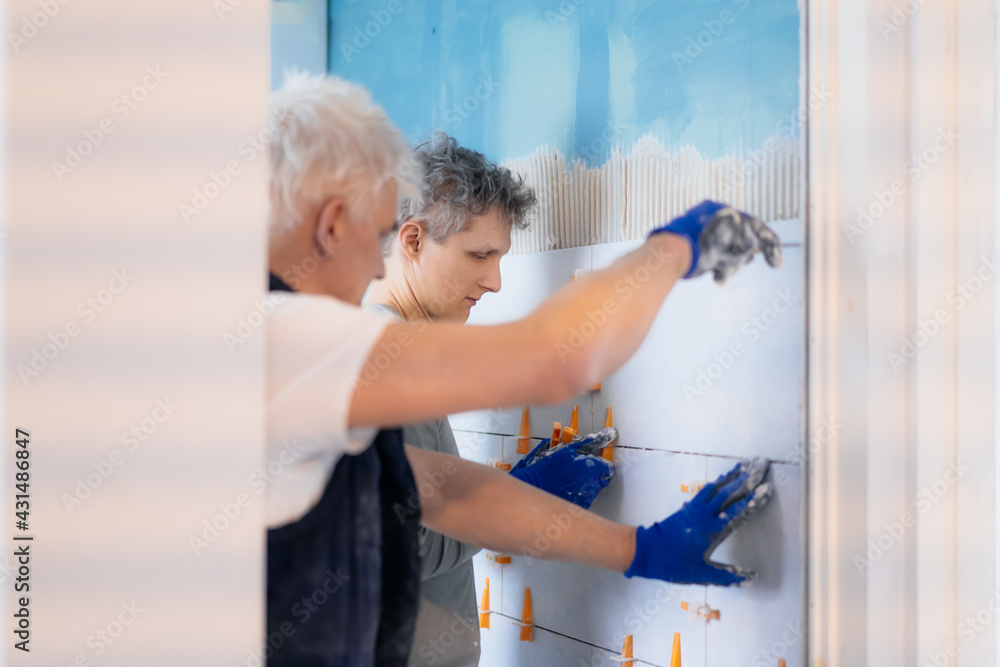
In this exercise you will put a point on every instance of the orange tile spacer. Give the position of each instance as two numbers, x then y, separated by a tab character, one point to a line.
627	651
524	435
675	653
596	387
692	487
781	662
498	464
607	451
556	433
484	608
526	625
499	559
704	611
574	419
567	434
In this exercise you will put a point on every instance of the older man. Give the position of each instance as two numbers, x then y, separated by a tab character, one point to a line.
343	562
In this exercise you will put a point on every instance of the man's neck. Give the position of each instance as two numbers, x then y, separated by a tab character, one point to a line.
400	297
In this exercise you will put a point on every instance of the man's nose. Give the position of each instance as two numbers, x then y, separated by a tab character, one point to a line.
491	281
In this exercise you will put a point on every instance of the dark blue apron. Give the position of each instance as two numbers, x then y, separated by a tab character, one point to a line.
343	581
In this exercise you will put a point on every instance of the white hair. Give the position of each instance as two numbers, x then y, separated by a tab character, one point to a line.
329	139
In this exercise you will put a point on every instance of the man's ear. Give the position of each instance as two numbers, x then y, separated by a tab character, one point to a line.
411	238
330	225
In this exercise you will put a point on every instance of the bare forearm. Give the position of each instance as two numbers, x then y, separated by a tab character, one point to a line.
427	370
485	507
601	319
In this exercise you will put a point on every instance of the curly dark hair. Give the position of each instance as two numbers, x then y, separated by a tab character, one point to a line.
460	183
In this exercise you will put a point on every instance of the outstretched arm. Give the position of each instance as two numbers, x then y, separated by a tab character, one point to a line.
422	371
436	369
487	508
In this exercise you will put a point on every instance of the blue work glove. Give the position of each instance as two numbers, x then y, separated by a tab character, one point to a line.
723	239
678	548
574	471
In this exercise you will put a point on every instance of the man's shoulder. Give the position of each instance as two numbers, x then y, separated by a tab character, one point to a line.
302	325
294	305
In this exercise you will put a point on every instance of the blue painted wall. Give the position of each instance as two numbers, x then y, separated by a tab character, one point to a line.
298	37
577	75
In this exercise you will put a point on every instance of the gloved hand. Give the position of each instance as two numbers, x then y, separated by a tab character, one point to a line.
574	471
678	548
723	239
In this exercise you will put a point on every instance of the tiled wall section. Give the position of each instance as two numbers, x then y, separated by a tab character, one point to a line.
686	406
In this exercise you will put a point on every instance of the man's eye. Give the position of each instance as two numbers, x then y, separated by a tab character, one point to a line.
479	255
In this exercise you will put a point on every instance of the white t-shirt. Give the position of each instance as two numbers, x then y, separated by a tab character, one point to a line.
316	347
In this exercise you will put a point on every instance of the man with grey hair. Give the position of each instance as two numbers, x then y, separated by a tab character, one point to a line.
442	259
342	546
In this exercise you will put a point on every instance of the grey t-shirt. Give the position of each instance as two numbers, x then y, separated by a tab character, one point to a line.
447	633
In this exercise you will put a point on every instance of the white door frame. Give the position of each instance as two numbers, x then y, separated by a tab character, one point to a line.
899	360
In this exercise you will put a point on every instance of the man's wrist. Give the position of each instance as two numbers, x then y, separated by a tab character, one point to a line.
676	247
628	550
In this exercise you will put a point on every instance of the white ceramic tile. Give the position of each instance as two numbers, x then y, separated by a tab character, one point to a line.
526	281
675	393
478	447
751	409
601	607
507	421
503	648
762	623
482	448
789	231
605	658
